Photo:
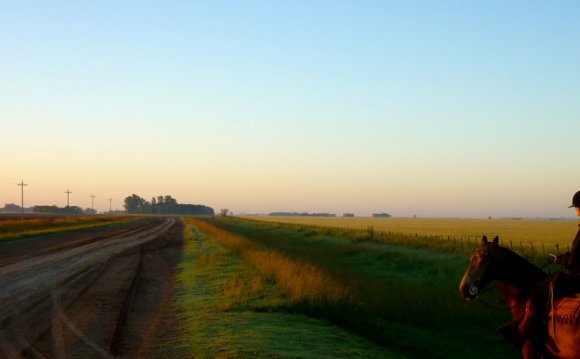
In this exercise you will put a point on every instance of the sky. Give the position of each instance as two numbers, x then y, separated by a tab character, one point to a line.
427	108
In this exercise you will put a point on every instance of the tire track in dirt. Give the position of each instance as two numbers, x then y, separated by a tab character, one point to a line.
10	255
45	303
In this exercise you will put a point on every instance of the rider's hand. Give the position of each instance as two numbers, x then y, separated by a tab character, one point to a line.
562	258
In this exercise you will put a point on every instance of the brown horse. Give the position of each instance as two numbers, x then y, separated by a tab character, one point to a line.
516	278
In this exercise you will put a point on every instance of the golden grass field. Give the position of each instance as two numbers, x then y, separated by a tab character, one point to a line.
549	232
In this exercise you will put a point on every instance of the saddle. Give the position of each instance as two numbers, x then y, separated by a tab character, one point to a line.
564	328
563	320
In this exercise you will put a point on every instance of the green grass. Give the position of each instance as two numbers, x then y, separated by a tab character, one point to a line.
404	299
228	309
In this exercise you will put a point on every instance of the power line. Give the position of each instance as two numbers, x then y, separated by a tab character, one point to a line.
68	192
22	185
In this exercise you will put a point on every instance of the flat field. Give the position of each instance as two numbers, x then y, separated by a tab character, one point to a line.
248	288
255	289
526	231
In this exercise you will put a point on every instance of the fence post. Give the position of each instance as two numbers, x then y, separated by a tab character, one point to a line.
543	248
371	232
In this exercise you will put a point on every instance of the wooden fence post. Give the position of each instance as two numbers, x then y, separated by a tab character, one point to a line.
543	248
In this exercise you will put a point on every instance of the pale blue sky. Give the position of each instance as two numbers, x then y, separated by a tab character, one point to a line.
444	108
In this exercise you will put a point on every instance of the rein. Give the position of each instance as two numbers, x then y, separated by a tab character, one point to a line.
492	306
496	307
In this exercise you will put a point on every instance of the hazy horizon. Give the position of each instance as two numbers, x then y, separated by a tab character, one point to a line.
434	109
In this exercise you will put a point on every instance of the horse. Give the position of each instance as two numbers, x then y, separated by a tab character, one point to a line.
516	278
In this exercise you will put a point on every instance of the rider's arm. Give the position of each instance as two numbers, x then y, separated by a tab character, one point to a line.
570	260
574	259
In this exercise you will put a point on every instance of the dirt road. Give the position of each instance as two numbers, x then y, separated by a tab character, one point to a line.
88	294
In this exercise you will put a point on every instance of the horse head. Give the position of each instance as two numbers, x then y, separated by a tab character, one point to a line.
481	269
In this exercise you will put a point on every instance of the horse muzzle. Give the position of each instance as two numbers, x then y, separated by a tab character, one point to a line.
469	291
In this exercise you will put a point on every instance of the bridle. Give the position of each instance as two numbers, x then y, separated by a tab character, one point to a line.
496	307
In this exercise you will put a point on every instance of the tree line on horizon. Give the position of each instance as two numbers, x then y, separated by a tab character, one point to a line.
306	214
300	214
135	204
51	209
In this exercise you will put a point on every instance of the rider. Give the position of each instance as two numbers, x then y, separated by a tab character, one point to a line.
572	260
531	327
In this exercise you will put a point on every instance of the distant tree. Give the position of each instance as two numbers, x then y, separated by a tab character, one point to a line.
146	207
194	209
164	205
224	212
45	209
170	204
11	207
134	204
301	214
58	210
72	210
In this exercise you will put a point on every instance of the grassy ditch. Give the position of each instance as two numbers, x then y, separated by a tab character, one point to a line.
399	299
14	230
228	308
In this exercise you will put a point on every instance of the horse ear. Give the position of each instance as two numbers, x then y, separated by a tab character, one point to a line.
495	241
484	239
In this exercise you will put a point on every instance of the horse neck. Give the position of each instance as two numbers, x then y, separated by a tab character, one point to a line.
516	278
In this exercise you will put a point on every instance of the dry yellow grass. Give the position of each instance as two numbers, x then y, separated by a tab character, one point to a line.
300	281
549	232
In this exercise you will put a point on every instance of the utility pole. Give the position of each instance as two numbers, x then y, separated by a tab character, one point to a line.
110	201
22	184
67	197
93	203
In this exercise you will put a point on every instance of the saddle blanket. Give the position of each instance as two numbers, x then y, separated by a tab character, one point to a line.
564	328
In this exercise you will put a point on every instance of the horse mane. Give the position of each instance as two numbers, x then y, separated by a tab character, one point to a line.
516	269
